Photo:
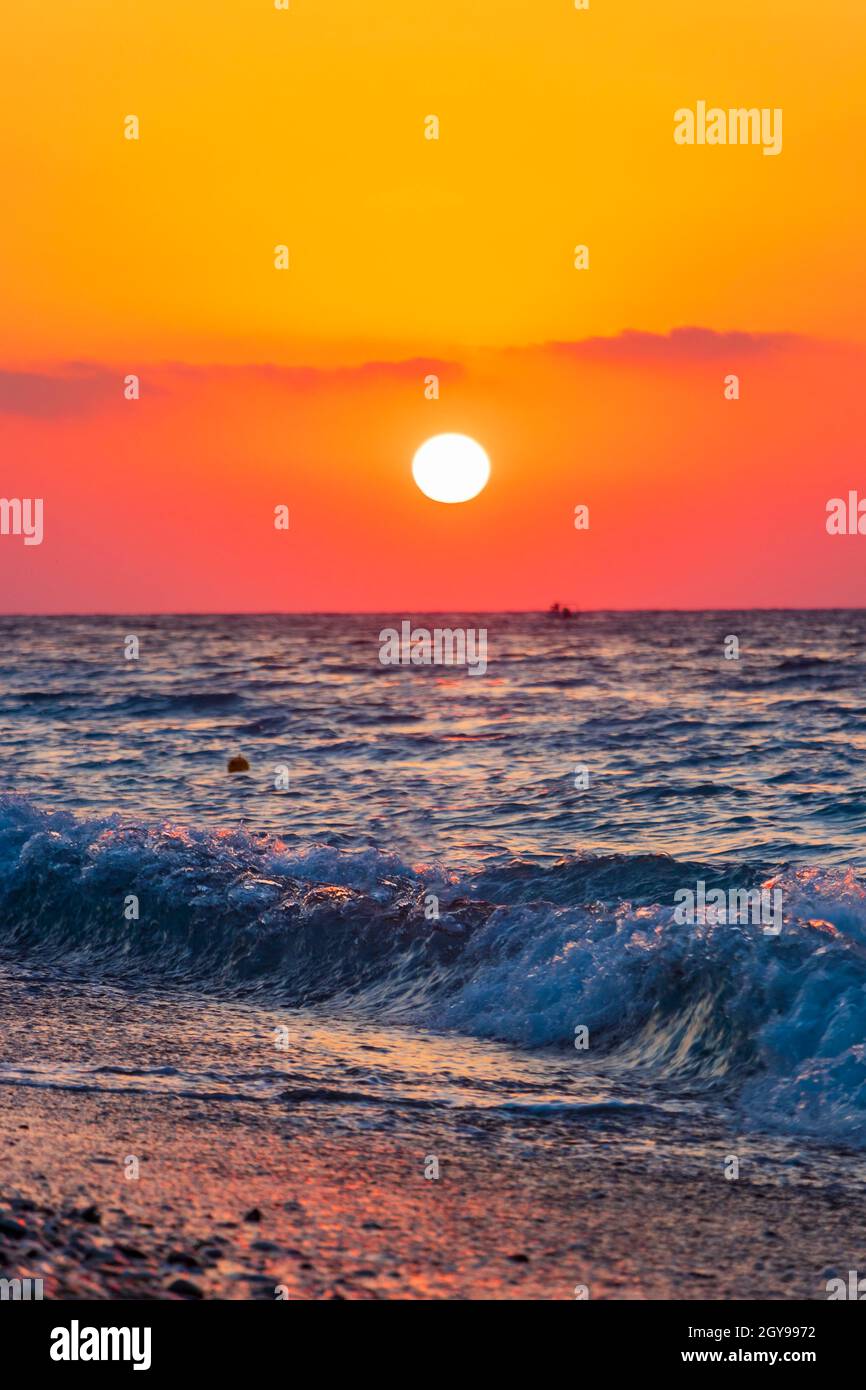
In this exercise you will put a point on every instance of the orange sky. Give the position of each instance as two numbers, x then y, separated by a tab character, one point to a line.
260	127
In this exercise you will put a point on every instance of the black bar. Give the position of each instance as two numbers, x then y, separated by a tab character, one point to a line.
616	1337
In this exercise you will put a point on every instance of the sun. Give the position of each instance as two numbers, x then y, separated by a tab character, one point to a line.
451	468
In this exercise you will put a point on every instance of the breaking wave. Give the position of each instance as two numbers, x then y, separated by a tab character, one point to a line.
521	951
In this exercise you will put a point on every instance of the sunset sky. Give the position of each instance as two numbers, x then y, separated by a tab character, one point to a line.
411	256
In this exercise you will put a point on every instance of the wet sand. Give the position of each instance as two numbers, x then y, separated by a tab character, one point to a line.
262	1173
306	1200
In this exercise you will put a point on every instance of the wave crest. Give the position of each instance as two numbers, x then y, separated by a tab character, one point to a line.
521	952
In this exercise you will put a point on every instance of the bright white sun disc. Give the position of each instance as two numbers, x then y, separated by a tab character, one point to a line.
451	468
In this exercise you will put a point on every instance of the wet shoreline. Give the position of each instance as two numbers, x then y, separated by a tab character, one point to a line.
292	1195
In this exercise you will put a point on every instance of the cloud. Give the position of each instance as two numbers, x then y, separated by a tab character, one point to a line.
74	389
680	345
307	378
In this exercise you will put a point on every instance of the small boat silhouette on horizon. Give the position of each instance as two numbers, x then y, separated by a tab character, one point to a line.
557	610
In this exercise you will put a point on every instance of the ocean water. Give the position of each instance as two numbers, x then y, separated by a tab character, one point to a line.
432	901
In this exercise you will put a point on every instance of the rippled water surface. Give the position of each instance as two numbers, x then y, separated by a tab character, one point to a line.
433	869
687	753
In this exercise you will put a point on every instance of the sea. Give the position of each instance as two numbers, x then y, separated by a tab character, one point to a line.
444	888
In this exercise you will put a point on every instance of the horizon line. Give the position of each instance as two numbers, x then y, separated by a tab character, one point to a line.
382	612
